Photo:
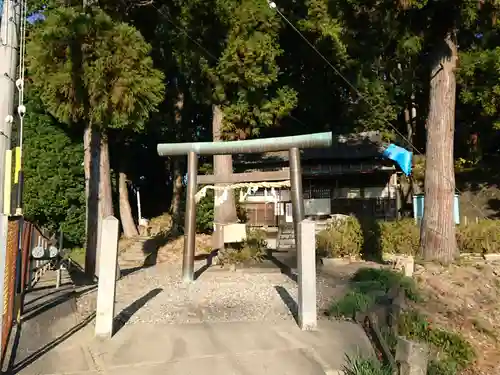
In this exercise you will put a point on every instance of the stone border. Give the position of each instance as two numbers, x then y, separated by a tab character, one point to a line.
492	257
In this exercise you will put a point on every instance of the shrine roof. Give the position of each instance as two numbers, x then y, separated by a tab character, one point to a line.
345	148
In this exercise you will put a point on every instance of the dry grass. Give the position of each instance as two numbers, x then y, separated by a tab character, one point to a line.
172	251
465	298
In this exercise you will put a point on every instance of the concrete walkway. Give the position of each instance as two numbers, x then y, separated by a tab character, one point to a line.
59	340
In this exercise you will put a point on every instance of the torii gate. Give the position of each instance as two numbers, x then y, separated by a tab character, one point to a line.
291	143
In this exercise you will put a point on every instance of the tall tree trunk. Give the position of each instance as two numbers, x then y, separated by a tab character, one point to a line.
223	166
92	150
437	236
175	205
126	217
105	191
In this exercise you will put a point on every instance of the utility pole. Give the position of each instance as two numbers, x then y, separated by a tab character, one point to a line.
9	53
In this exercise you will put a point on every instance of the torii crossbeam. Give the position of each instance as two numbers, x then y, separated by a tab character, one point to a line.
291	143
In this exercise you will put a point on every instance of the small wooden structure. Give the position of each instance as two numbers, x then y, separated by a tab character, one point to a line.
351	177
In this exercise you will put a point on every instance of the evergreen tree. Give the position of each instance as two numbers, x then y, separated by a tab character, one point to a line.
54	195
94	74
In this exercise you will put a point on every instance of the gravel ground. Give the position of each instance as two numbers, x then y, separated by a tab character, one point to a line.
217	296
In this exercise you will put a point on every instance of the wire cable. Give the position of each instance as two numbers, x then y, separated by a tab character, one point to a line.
360	95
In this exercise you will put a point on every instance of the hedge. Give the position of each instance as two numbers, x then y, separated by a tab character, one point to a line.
350	237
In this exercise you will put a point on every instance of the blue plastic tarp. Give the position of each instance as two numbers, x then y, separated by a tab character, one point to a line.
401	156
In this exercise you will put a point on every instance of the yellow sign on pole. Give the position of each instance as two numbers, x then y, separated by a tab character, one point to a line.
7	183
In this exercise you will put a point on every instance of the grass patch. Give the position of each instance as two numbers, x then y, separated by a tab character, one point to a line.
77	255
365	366
368	287
450	351
251	251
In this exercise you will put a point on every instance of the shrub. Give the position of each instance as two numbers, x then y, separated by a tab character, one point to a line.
451	350
482	237
352	303
369	280
342	238
252	250
368	286
346	238
399	237
205	212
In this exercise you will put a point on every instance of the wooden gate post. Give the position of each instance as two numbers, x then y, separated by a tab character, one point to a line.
190	220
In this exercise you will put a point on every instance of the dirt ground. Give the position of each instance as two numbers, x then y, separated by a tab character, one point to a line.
465	298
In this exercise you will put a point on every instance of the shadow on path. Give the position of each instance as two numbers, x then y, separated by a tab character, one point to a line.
45	305
16	368
209	258
289	301
124	316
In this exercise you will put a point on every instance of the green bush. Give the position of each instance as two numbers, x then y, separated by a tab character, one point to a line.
451	350
482	237
252	250
346	238
369	280
205	212
399	237
352	303
342	238
368	285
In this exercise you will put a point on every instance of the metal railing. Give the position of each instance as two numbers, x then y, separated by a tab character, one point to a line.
26	252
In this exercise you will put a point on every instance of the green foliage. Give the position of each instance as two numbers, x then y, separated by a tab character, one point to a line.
240	67
205	213
53	175
347	238
367	287
482	237
342	238
365	366
252	250
352	303
368	280
451	350
85	67
400	237
480	79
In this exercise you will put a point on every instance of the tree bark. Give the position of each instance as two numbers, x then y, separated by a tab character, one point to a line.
437	236
91	141
175	205
126	217
105	191
223	166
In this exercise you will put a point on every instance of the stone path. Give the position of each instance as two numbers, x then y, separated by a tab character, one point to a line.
224	323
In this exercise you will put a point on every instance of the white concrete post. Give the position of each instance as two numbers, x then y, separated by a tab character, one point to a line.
412	357
307	275
107	278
